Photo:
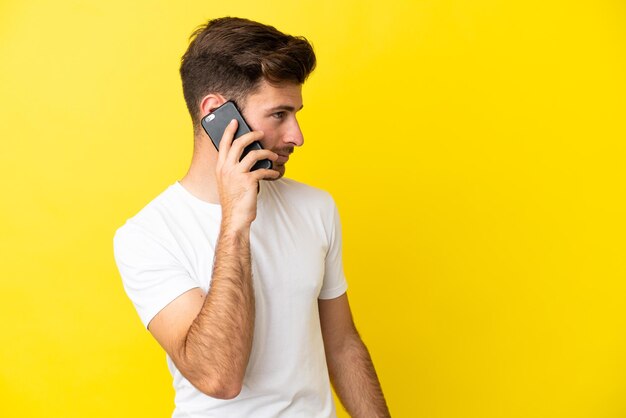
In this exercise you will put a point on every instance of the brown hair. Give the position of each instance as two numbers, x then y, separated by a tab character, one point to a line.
231	56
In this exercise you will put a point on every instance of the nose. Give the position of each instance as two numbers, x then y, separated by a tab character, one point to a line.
294	134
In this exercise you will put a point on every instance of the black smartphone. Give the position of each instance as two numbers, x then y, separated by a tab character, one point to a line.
215	124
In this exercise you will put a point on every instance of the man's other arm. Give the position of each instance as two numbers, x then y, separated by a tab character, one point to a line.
350	366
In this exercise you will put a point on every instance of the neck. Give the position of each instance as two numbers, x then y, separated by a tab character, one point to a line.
200	178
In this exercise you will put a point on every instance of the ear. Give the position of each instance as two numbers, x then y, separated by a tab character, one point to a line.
210	102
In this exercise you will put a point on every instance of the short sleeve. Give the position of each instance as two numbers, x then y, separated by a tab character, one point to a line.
335	283
151	274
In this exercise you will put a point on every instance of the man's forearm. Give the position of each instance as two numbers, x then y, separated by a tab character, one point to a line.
354	379
218	344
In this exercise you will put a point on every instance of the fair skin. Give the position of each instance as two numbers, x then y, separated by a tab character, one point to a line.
209	336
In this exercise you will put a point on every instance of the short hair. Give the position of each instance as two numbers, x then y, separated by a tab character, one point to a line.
231	56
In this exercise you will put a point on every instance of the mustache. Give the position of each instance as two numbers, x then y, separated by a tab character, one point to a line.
284	151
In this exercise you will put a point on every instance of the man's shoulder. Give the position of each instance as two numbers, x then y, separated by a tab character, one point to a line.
301	200
152	217
302	192
158	204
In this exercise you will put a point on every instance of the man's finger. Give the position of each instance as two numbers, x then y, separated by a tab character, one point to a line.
237	146
226	141
265	174
257	155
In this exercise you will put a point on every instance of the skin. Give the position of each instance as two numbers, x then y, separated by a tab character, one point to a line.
209	336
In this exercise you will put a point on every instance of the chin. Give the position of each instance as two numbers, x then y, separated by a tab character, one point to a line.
281	171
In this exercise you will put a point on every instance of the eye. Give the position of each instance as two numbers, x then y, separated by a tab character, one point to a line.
278	115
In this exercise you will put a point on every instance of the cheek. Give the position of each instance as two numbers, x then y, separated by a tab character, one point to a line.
268	143
253	124
270	132
269	137
260	126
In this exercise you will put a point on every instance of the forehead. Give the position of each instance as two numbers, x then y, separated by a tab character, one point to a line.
269	96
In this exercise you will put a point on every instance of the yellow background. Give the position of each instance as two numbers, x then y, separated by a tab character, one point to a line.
475	150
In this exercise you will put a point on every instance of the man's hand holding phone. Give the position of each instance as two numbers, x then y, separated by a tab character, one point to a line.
237	185
215	123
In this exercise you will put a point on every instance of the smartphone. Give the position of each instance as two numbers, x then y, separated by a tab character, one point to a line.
215	124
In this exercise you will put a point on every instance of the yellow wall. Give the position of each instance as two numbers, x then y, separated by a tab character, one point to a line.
475	150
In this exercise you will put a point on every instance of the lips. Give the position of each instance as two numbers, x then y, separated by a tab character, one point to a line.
283	154
282	159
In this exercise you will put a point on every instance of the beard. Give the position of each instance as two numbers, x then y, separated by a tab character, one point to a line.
280	167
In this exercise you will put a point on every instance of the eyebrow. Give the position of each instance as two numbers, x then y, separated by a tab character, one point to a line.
283	107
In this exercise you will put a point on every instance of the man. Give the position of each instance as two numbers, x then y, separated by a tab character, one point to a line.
238	273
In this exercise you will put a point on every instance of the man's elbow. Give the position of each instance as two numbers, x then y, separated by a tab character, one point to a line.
222	383
220	389
230	392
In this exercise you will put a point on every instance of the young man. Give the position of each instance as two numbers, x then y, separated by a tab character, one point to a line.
238	273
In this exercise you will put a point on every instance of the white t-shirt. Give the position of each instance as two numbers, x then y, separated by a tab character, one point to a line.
295	242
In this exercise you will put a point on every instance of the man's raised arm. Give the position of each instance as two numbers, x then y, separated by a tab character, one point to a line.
209	337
